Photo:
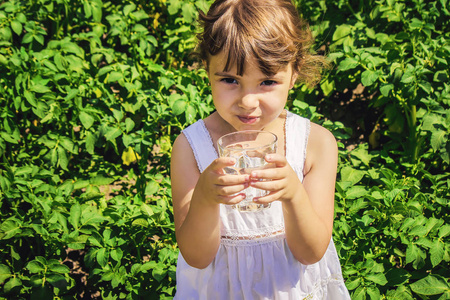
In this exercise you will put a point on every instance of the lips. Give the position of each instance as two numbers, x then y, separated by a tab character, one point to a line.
248	119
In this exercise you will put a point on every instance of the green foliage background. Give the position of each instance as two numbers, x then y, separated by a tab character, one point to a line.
93	93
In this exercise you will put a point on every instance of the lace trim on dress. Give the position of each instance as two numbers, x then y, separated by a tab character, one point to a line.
206	131
335	279
307	131
191	143
252	237
249	241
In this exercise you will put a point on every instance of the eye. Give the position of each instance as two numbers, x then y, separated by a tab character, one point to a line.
268	82
228	80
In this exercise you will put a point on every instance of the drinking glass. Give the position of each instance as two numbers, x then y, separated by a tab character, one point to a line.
248	148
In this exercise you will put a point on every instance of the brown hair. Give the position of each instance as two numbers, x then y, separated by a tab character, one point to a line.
271	31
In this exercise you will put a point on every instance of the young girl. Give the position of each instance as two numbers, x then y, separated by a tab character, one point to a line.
254	52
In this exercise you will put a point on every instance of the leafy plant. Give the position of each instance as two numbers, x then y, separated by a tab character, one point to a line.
93	93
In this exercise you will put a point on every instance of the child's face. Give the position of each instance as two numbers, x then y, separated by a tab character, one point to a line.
251	101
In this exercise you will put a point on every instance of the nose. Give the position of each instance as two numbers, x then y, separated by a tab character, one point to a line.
249	101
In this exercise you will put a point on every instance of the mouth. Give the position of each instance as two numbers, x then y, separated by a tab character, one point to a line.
248	119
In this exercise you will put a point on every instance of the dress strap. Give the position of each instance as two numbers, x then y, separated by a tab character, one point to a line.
201	144
297	134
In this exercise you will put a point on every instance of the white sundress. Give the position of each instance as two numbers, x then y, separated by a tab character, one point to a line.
253	260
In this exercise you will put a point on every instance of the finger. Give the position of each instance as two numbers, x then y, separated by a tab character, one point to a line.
270	186
268	174
231	200
222	162
232	189
226	180
271	197
278	159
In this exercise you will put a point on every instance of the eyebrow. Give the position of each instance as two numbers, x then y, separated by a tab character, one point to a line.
225	74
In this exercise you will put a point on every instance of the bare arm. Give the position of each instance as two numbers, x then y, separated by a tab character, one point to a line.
196	198
308	208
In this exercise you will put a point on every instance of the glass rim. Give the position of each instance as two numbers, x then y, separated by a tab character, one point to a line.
249	132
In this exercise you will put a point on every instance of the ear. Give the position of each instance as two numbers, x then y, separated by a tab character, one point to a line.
293	79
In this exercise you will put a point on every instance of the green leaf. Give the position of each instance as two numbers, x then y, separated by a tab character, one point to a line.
129	124
68	144
102	257
408	76
59	268
87	9
39	88
190	114
114	76
374	293
189	12
348	64
147	210
369	77
174	6
179	107
356	191
397	276
415	255
401	293
62	158
386	88
97	11
86	119
90	142
151	188
16	27
430	285
140	222
437	253
35	267
117	254
342	31
57	280
112	133
351	175
444	231
5	273
107	276
438	138
359	294
378	278
159	272
353	284
327	87
445	296
9	228
75	214
11	284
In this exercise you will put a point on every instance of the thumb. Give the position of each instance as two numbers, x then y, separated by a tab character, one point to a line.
222	162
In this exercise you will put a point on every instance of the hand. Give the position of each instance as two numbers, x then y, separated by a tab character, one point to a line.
215	186
281	181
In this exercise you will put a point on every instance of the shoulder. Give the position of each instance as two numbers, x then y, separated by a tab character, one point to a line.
320	136
322	147
181	150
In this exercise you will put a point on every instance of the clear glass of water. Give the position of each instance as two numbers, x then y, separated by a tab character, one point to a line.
249	148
